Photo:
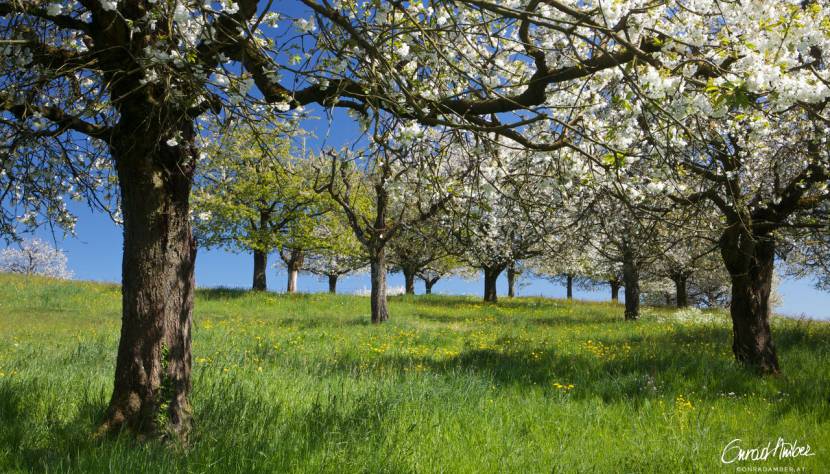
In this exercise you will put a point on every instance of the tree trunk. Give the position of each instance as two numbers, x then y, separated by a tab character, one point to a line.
680	291
429	283
511	282
569	283
750	260
260	264
631	281
152	370
409	281
491	275
292	280
332	284
293	266
615	290
380	313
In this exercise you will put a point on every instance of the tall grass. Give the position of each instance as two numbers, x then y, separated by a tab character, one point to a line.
305	384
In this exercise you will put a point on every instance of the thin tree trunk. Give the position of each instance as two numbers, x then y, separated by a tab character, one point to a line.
293	266
570	286
429	283
750	261
615	290
332	284
631	280
409	281
292	280
511	282
152	369
491	275
260	265
380	313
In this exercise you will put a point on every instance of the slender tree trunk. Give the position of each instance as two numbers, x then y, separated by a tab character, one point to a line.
332	284
409	281
491	276
293	266
429	283
615	290
260	265
631	280
570	286
380	313
680	290
750	260
292	280
152	369
511	282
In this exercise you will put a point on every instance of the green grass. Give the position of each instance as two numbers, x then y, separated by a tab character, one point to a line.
304	384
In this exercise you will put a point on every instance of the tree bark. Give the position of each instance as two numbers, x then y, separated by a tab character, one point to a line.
409	281
380	313
293	266
153	366
615	290
511	282
491	275
631	281
332	284
569	283
680	290
750	260
429	283
260	265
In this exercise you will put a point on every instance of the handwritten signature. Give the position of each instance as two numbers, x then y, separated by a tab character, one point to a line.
734	452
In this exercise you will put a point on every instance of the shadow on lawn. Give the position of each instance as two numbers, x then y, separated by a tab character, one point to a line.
695	360
236	429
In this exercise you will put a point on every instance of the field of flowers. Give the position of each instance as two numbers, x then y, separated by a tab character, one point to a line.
305	384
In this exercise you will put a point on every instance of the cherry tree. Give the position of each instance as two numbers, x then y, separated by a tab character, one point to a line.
409	175
490	225
250	191
132	77
743	130
35	257
418	247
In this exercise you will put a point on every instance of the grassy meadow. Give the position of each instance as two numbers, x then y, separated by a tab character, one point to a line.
304	383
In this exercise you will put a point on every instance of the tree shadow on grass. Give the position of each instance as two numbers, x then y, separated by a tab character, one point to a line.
237	429
695	361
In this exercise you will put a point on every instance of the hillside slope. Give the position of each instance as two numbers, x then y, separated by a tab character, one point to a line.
304	384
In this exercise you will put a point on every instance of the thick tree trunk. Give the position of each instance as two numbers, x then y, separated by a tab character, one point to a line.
332	284
380	313
511	282
631	281
750	261
680	291
569	283
152	370
260	265
615	290
409	281
491	276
